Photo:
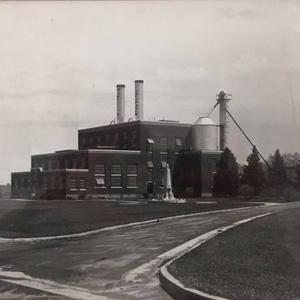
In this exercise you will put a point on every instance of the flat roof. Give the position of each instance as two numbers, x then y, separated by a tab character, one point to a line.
87	151
136	123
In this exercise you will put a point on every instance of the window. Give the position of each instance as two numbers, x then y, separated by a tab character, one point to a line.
100	175
164	143
132	169
82	183
22	185
74	163
133	135
28	183
150	144
60	182
100	169
36	164
43	165
73	183
82	163
50	165
124	135
116	181
133	139
178	144
116	175
116	169
149	164
45	182
116	137
163	156
163	164
91	140
16	183
83	141
163	159
107	139
66	163
214	166
99	181
150	175
98	140
58	164
132	180
52	182
162	178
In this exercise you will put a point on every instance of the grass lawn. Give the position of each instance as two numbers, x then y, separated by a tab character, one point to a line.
258	260
46	218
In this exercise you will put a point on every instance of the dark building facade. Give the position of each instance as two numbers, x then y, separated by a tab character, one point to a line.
126	160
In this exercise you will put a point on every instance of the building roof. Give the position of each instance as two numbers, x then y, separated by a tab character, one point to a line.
135	123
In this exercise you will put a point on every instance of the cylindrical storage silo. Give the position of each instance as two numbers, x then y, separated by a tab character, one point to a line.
204	134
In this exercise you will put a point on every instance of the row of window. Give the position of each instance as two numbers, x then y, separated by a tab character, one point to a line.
116	175
108	139
163	146
74	184
62	164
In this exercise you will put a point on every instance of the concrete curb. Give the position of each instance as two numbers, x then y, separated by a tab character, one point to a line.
112	228
175	288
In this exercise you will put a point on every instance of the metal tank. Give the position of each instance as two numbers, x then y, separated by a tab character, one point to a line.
204	134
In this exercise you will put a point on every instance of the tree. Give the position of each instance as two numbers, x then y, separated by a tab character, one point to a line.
277	172
253	172
291	159
297	178
226	179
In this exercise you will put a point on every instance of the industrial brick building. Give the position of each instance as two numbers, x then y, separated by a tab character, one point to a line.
128	159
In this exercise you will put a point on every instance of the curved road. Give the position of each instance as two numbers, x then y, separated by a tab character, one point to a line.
120	264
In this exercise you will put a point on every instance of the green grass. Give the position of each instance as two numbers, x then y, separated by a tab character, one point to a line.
46	218
258	260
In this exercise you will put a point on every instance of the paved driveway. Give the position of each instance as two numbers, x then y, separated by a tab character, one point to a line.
120	264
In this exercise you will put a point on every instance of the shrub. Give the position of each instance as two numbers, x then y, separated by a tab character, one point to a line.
286	194
82	196
246	191
290	194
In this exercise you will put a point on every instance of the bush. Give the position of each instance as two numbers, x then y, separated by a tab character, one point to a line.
284	194
290	194
81	196
246	191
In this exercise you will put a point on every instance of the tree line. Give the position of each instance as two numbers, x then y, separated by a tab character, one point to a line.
257	179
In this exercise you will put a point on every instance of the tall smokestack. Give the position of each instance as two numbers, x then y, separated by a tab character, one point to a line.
223	100
120	103
139	99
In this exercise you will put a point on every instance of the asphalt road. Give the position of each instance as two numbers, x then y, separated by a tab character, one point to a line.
121	264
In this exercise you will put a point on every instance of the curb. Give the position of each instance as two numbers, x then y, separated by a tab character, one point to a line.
112	228
175	288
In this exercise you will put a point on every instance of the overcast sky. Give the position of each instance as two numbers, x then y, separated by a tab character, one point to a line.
61	61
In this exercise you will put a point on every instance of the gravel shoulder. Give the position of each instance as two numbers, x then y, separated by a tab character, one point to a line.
258	260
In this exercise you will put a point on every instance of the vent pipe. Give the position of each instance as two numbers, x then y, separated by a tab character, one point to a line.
139	100
120	103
